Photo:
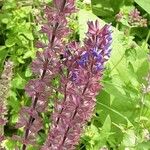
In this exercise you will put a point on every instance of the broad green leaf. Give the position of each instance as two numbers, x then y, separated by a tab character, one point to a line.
2	48
26	9
22	12
116	4
145	4
5	20
102	8
22	40
20	60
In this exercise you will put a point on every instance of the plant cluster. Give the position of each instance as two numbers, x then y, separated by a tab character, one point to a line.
63	95
79	70
133	17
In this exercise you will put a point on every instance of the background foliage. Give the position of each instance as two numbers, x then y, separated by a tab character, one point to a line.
121	120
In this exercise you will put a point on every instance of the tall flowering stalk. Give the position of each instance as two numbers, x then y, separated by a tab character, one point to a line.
79	69
80	85
4	90
45	67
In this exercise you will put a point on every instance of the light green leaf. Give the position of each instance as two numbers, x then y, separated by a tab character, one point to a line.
28	54
28	72
104	133
13	101
20	60
29	35
145	4
102	8
10	42
18	82
107	125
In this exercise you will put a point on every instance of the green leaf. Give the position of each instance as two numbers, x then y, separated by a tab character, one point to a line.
28	72
116	4
143	146
28	54
5	17
9	4
9	144
104	133
102	8
5	20
145	4
3	55
106	128
26	10
18	82
29	35
20	60
13	101
11	41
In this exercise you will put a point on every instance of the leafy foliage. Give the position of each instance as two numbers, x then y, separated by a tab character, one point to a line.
122	96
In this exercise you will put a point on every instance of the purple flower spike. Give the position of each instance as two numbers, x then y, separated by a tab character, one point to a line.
80	85
46	67
98	45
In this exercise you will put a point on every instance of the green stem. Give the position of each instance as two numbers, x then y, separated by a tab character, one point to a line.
148	36
117	26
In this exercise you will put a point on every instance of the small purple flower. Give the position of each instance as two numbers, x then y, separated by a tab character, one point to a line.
97	47
97	54
84	59
74	76
99	67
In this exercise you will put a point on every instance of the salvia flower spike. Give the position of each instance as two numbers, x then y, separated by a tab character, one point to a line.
80	87
45	67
